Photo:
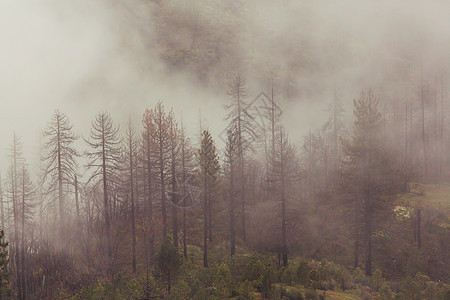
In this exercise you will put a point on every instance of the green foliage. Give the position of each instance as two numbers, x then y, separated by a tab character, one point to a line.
263	272
267	279
207	156
303	273
5	291
311	295
223	281
246	291
360	278
120	288
287	275
414	263
168	260
421	287
254	268
376	281
386	292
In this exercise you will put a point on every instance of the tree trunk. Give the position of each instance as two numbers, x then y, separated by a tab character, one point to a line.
133	221
76	199
424	145
105	202
23	236
174	196
150	200
419	237
368	234
209	215
205	221
184	196
161	175
356	245
232	221
283	205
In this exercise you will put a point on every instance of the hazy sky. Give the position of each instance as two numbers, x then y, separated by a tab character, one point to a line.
82	57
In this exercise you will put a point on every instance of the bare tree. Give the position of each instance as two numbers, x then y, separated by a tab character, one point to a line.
26	215
148	150
174	141
60	160
241	121
13	191
161	139
103	162
186	169
131	149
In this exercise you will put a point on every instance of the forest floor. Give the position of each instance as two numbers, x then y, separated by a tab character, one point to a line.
432	196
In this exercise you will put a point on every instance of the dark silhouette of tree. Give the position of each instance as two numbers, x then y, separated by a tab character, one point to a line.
13	190
26	214
369	171
229	168
160	136
168	260
209	164
242	122
60	161
174	141
131	149
283	170
104	155
148	150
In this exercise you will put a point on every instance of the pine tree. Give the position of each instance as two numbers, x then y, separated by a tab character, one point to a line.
230	169
209	164
282	174
368	171
168	260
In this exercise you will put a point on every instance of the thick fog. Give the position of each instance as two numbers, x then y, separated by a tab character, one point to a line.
83	57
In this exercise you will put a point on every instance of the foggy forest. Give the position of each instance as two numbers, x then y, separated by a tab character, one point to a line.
225	149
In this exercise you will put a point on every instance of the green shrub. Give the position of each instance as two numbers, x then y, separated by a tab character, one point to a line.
254	268
223	281
246	291
376	280
303	273
267	279
386	292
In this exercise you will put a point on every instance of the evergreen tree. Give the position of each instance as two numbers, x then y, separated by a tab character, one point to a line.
282	174
209	164
168	260
369	171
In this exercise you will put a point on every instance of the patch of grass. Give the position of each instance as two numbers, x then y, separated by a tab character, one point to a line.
434	196
347	295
